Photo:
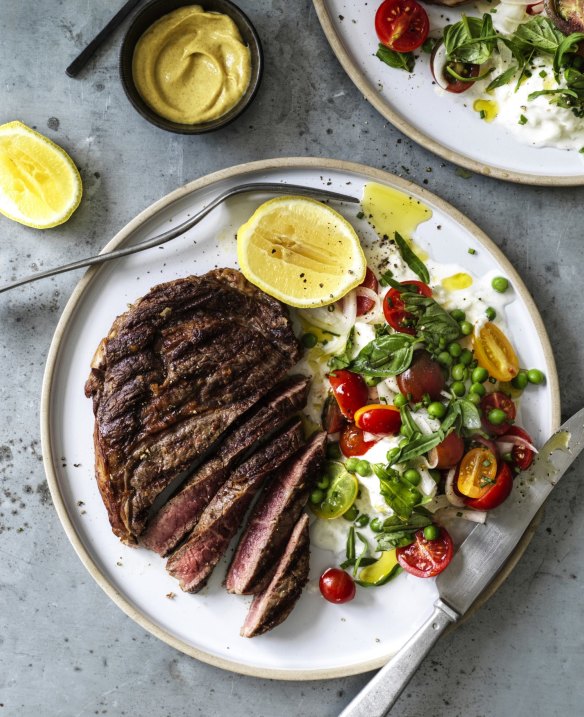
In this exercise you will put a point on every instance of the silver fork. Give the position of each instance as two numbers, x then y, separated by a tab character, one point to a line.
269	187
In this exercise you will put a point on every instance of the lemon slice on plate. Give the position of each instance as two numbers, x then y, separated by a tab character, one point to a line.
300	251
39	183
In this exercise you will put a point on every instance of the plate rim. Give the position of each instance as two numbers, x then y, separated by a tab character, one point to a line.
50	463
374	98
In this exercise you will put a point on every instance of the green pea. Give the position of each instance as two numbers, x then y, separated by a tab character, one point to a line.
458	388
392	454
466	357
474	398
520	381
479	375
491	313
372	380
309	340
362	520
500	284
399	400
351	514
496	416
376	525
534	375
455	349
323	483
351	464
333	450
478	388
444	358
458	315
437	410
363	468
459	372
317	496
466	328
412	476
431	532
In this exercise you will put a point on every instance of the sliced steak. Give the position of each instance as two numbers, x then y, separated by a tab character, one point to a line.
182	512
194	561
174	372
272	606
273	519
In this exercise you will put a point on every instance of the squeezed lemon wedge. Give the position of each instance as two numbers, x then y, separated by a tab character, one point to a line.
40	185
301	252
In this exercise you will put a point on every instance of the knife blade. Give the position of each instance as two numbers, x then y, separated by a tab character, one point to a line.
474	565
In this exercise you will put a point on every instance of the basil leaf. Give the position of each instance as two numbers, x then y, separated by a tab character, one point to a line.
342	360
420	444
471	40
409	426
432	321
412	259
400	496
471	418
568	45
363	554
453	418
398	60
386	355
503	78
539	33
416	521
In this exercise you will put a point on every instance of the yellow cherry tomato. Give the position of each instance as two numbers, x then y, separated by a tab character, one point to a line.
341	493
477	472
494	351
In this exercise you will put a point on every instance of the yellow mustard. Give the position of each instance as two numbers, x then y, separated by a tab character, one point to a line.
191	66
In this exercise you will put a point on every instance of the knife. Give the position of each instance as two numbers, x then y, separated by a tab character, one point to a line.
474	565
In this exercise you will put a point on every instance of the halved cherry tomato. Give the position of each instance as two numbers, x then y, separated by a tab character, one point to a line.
423	376
336	586
441	66
365	304
350	391
352	442
494	351
378	418
522	455
477	472
497	399
426	558
497	493
402	25
333	420
394	309
450	451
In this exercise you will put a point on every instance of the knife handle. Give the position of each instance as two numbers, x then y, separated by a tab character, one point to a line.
379	695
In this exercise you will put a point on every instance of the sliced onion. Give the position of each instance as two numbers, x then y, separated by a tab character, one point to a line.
384	391
374	312
490	445
432	459
373	436
535	8
475	516
349	307
438	62
453	497
506	443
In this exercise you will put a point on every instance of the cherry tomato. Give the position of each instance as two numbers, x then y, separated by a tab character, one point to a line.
352	442
394	310
378	418
333	420
477	472
450	451
369	282
336	585
350	391
522	455
503	402
497	493
494	351
426	558
402	25
423	376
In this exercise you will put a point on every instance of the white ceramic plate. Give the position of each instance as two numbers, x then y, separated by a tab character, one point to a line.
442	124
319	639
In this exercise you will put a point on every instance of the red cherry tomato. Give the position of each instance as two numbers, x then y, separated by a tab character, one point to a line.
426	558
333	420
402	25
497	493
352	442
439	64
350	391
394	310
369	282
378	418
450	451
498	400
336	585
522	455
423	376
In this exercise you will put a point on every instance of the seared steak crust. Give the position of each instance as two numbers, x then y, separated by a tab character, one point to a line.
195	560
181	513
275	603
273	519
174	372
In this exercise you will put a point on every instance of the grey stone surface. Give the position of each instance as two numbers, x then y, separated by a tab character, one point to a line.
65	649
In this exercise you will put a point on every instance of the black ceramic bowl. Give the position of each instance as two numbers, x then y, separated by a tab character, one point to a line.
155	10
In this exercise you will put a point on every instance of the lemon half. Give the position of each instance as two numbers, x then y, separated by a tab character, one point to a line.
39	183
300	251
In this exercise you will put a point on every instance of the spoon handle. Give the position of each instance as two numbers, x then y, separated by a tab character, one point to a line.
85	55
